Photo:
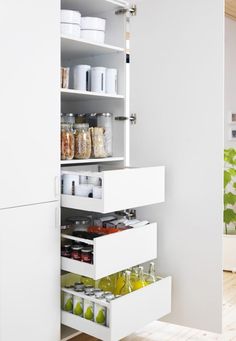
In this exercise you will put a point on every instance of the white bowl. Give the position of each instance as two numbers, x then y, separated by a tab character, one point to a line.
72	30
91	23
93	36
70	17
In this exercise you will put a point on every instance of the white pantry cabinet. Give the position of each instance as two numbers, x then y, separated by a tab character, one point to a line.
30	273
30	102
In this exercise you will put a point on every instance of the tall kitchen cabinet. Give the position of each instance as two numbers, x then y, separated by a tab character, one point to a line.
175	90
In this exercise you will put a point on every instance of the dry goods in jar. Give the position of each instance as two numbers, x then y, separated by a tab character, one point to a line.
67	142
98	142
83	145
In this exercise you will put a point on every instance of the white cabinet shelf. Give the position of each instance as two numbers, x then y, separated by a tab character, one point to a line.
91	7
101	160
122	189
75	95
72	48
123	250
128	313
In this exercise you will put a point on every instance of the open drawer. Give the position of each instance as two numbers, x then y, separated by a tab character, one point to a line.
115	252
122	189
127	313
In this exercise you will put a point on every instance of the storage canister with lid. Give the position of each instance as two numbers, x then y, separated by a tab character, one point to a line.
83	145
79	223
69	118
67	142
80	118
82	77
105	120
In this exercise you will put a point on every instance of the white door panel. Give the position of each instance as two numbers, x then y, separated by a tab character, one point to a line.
30	273
30	101
177	93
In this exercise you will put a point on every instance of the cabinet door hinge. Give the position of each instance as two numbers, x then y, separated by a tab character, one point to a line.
131	10
132	118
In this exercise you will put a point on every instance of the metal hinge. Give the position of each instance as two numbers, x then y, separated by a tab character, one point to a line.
132	118
131	10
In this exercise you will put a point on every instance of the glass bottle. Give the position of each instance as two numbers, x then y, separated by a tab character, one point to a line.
133	276
105	284
120	281
140	282
151	276
126	289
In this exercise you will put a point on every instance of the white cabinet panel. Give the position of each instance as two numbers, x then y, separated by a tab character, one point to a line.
177	93
125	249
30	101
122	189
30	273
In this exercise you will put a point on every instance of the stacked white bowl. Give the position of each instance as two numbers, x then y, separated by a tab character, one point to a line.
70	23
93	29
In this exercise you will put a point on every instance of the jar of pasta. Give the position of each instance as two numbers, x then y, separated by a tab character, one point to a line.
67	142
83	143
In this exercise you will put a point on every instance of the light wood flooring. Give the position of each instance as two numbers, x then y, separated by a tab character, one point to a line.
160	331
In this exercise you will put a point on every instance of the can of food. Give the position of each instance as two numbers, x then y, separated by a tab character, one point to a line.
100	314
88	310
78	305
68	302
89	291
99	294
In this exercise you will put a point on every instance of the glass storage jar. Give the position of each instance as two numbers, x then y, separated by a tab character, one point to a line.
67	142
69	118
80	118
98	142
79	223
83	143
104	120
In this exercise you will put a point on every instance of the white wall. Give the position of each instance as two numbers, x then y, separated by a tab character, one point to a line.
180	125
230	76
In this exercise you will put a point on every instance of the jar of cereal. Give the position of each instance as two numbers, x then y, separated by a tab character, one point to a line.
67	142
83	144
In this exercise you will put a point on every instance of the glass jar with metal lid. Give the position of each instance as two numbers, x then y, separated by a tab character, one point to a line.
105	120
79	223
80	118
83	145
67	142
69	118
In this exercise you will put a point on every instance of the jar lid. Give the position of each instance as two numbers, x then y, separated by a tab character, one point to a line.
69	115
98	294
66	245
76	247
105	114
81	126
65	227
79	220
80	115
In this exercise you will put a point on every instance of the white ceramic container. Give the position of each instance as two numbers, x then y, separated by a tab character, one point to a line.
97	192
111	81
98	79
82	77
70	17
93	36
68	180
92	23
72	30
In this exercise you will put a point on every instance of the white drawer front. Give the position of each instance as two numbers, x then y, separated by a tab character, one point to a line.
116	252
128	313
123	189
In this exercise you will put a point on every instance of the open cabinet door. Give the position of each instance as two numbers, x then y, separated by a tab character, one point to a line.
176	87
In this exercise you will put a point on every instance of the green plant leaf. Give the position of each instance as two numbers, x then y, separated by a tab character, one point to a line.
234	185
229	216
232	171
229	198
227	178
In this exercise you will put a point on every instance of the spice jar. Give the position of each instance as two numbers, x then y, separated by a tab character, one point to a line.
86	254
66	250
67	142
104	120
83	144
98	142
76	252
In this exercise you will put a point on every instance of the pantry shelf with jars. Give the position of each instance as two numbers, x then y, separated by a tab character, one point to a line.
105	245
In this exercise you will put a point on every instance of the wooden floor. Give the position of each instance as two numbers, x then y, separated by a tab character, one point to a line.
160	331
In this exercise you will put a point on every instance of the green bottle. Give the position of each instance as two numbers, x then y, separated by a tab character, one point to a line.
126	289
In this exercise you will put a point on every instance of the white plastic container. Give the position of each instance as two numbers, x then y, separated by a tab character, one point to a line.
111	81
72	30
68	181
98	79
94	181
70	17
82	77
83	190
92	23
97	192
93	36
